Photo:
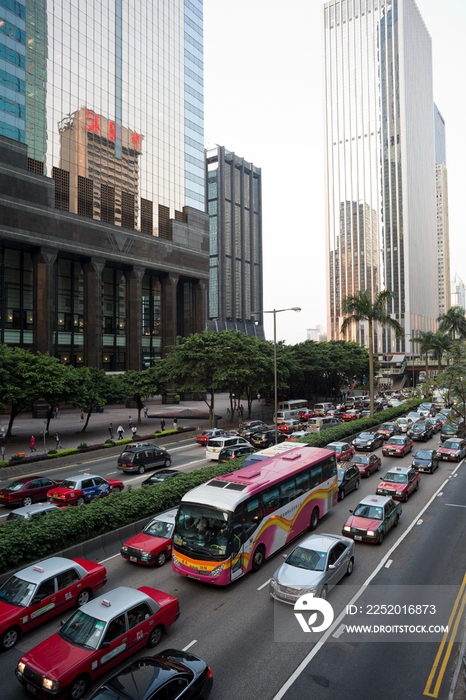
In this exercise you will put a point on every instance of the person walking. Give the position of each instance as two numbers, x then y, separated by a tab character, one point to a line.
32	443
134	430
57	440
175	423
130	422
162	424
146	411
110	430
82	414
3	453
120	431
56	411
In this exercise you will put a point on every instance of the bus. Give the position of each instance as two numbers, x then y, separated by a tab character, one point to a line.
231	524
270	452
292	404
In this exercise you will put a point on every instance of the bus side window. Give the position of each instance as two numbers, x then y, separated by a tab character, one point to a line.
316	475
287	491
329	469
252	515
302	483
271	499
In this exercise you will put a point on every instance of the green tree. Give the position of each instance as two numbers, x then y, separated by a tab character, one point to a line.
139	385
360	307
93	387
442	344
425	341
453	322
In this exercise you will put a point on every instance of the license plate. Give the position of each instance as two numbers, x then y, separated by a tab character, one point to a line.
358	538
133	558
197	578
31	688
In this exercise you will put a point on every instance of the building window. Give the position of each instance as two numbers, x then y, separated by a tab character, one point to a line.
107	204
146	216
85	196
62	188
127	210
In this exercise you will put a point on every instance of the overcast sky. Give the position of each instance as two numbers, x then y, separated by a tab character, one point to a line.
263	100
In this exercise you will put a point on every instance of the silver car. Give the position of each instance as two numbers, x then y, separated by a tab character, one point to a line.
314	566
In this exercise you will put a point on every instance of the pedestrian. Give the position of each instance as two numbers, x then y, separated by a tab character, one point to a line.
241	410
120	431
57	440
110	430
162	424
175	423
56	411
146	411
130	422
258	397
134	430
32	443
82	414
3	453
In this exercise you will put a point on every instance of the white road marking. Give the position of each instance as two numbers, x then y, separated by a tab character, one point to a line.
189	645
420	521
102	561
441	493
264	584
339	631
389	563
455	505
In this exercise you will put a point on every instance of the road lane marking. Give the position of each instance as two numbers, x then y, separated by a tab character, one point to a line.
389	563
264	584
189	645
307	659
455	505
102	561
446	647
339	631
420	521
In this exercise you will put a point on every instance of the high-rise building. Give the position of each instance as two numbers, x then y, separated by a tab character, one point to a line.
102	162
443	234
458	292
380	164
234	205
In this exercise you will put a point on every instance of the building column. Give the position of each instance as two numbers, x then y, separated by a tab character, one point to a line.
134	317
199	306
169	324
44	300
93	312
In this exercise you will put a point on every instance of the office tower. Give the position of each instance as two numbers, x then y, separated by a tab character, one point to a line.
104	255
234	205
458	293
443	235
380	165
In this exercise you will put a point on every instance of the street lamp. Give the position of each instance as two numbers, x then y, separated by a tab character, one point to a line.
275	312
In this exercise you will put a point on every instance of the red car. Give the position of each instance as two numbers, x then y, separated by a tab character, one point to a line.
26	490
397	446
452	450
205	436
343	450
289	426
306	414
367	463
352	414
388	430
39	592
154	544
97	637
399	483
83	488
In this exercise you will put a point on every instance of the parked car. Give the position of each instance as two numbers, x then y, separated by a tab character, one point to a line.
229	453
372	519
425	461
160	476
82	488
421	430
399	483
169	675
314	566
368	441
366	463
36	510
140	456
100	635
397	446
206	435
349	480
343	450
43	590
452	450
388	430
26	490
153	546
266	438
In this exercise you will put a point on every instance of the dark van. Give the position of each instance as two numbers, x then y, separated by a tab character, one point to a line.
140	456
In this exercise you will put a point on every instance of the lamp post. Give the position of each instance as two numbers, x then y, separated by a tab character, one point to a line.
275	383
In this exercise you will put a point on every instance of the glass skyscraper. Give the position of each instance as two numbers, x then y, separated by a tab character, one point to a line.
380	163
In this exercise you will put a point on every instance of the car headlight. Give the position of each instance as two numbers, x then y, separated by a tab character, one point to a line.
371	533
146	555
308	589
399	493
124	548
21	666
49	684
347	528
217	571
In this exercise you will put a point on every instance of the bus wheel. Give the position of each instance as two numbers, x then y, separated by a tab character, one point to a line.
314	519
258	558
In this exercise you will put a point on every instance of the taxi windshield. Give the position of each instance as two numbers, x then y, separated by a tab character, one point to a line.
452	445
69	484
396	441
159	529
395	478
364	510
83	630
17	591
307	559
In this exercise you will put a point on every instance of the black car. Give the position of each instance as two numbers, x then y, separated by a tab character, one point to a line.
421	430
368	441
425	461
266	438
171	674
250	428
348	480
234	452
160	477
139	456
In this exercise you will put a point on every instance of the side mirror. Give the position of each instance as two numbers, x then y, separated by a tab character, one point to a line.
331	566
351	510
285	556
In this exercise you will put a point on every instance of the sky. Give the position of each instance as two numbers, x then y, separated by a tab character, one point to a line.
264	101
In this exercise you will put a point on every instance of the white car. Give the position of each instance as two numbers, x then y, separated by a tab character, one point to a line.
404	423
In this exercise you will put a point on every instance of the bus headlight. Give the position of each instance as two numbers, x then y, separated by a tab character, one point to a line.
217	571
175	560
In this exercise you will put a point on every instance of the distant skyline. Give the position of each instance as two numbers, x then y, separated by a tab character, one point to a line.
264	100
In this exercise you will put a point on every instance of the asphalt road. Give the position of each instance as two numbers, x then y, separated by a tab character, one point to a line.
239	629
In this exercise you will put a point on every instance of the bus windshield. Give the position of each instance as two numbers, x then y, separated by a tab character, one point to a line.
202	531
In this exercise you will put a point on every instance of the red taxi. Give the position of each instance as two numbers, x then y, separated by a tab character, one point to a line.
352	414
399	483
289	426
397	446
367	463
306	414
80	489
206	435
154	544
452	450
97	637
343	450
372	518
37	593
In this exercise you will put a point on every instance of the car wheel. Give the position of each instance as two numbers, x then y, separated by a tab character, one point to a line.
83	597
141	469
27	501
395	524
350	567
417	485
117	489
368	473
357	484
77	688
80	501
314	519
167	462
341	494
155	636
9	638
381	538
258	558
379	466
161	559
323	593
405	499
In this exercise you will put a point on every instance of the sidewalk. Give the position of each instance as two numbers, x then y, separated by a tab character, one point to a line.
69	425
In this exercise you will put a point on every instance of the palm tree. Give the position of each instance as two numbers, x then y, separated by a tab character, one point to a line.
441	343
360	307
426	342
453	322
